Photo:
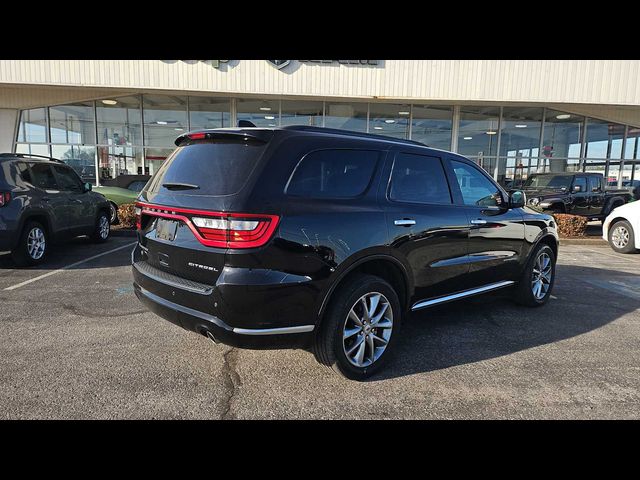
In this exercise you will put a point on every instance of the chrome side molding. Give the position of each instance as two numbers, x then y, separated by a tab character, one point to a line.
273	331
466	293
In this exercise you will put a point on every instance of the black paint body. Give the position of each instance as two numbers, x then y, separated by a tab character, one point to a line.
318	242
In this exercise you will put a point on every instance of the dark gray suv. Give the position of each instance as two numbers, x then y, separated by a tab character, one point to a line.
43	200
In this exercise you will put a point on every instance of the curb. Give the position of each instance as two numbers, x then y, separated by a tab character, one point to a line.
583	241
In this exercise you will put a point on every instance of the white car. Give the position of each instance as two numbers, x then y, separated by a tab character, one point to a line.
621	228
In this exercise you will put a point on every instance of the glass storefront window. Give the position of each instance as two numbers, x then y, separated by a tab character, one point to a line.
301	112
389	119
562	134
346	116
33	148
603	139
165	118
262	113
119	122
431	125
478	132
33	126
519	142
72	123
81	158
117	160
155	157
208	112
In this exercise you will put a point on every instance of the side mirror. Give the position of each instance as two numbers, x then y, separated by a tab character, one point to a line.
577	189
86	187
517	199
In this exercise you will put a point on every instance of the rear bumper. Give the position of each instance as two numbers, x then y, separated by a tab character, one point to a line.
237	314
209	325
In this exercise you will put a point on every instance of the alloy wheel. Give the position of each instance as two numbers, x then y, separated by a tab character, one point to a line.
103	227
541	276
367	329
36	243
620	236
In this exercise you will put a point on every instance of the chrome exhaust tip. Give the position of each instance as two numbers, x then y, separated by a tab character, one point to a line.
211	337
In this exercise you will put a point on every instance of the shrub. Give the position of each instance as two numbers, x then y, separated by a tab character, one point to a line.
126	215
571	225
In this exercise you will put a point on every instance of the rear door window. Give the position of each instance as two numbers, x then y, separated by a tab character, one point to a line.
42	176
419	179
213	167
333	173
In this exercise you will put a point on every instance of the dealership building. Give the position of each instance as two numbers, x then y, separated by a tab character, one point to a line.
514	117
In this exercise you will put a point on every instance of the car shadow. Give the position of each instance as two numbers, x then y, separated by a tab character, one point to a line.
492	326
74	250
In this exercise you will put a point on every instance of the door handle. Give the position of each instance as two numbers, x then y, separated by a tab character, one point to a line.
405	222
478	221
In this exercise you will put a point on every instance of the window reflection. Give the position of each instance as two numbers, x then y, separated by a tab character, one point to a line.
119	121
389	119
262	113
431	125
165	118
301	112
33	126
207	112
478	131
346	116
72	123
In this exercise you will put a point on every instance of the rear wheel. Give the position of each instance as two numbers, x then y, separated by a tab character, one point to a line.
536	282
621	237
32	246
113	213
359	328
102	228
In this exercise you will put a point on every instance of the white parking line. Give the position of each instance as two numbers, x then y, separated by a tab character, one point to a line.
27	282
625	259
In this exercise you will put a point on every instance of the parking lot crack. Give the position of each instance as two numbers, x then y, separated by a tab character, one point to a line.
231	381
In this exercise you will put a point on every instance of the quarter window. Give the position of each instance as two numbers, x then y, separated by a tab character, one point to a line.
418	179
476	189
333	173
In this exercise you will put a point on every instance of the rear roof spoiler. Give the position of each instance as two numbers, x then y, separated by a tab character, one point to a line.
260	134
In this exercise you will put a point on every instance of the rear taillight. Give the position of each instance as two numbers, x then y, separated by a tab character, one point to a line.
219	229
138	212
5	198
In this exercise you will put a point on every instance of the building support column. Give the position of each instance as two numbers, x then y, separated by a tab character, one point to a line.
455	128
8	128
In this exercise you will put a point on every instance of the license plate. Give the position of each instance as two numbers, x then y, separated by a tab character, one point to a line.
166	229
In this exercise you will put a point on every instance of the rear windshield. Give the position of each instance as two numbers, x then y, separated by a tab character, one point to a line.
215	167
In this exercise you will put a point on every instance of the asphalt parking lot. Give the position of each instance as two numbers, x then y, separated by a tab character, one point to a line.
76	344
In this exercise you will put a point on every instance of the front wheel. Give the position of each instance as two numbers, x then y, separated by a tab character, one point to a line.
360	327
621	237
536	282
102	228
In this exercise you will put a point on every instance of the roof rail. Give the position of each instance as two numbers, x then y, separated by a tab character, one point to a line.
351	133
31	155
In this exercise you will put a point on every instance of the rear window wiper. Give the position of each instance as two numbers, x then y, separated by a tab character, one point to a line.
180	186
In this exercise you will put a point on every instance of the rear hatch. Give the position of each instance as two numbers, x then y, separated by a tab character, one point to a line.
191	209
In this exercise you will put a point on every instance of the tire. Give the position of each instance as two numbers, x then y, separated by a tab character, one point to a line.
526	291
331	349
33	245
621	237
113	214
102	229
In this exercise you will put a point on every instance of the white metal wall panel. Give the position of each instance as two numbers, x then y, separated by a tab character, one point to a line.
571	81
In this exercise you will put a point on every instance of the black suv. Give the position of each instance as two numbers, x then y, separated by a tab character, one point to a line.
257	237
43	200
